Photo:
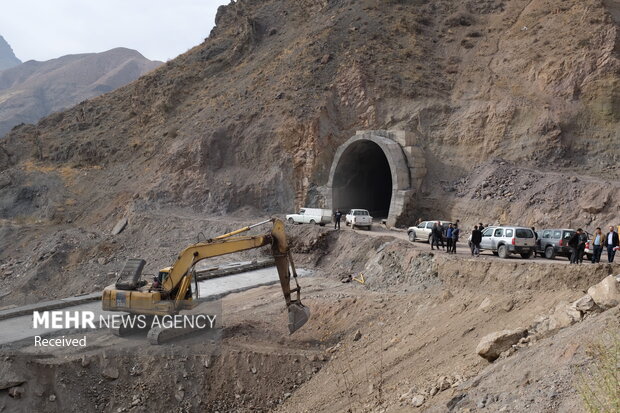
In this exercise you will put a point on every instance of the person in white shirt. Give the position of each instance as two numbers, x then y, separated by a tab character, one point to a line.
597	245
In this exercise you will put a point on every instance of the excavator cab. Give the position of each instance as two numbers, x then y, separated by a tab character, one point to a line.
163	274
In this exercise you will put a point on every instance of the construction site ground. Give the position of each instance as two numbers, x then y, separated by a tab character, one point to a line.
411	329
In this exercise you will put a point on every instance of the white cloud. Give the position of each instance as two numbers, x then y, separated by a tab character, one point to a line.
159	29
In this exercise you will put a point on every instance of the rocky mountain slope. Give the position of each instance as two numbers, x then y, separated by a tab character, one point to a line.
278	85
247	123
35	89
7	57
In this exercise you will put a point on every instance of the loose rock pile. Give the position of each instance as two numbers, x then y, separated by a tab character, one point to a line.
600	297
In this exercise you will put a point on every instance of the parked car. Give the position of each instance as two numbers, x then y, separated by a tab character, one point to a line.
554	242
423	230
359	218
311	216
507	240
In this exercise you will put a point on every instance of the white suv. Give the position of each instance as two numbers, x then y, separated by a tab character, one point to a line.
359	218
424	230
506	240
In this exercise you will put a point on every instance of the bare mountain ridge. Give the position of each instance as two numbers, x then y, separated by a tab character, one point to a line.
35	89
279	85
7	57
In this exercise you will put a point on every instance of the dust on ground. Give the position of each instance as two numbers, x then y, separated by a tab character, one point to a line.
411	329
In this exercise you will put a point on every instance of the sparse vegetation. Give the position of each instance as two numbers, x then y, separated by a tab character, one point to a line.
599	383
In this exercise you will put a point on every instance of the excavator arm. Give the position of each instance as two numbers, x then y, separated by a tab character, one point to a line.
172	297
190	256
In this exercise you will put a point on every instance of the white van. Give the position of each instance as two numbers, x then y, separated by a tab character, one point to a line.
311	216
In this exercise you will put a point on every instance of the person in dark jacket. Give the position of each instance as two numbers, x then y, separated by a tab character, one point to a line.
449	238
436	235
611	242
455	237
573	244
581	247
337	218
476	239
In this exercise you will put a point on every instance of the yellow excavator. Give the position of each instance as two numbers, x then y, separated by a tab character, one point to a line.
171	292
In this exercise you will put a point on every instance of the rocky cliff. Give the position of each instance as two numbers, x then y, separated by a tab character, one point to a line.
35	89
253	116
7	57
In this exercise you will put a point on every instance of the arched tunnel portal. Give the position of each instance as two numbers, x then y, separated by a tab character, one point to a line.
375	170
363	179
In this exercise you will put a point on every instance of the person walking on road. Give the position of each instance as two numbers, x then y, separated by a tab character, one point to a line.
337	217
449	238
612	242
597	245
476	239
573	244
455	237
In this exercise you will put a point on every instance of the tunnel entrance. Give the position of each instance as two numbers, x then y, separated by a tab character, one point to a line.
377	170
363	179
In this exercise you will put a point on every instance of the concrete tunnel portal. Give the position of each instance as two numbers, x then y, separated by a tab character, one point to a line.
363	179
378	170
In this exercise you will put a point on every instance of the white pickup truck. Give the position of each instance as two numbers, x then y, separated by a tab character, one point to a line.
359	218
311	216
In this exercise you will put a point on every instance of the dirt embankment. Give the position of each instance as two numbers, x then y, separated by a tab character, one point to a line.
71	260
411	329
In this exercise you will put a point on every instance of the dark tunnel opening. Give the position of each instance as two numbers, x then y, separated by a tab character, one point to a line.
363	179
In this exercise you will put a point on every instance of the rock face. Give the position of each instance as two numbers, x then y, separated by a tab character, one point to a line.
492	345
7	57
252	117
34	89
606	294
245	100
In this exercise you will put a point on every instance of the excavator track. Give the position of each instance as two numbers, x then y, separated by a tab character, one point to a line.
161	335
128	327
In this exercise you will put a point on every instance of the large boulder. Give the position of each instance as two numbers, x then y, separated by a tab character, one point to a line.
606	294
492	345
10	376
585	304
563	316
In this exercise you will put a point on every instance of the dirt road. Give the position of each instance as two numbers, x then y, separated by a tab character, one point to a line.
462	249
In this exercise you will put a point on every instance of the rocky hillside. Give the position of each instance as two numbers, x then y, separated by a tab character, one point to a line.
279	84
34	89
7	57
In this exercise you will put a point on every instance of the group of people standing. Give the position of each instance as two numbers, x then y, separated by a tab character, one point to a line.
577	244
450	234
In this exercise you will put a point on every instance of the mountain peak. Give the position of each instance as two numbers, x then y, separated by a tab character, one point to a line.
7	57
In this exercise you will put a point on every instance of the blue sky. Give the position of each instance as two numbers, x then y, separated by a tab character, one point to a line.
159	29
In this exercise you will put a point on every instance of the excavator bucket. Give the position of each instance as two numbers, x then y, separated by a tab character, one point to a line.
298	315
